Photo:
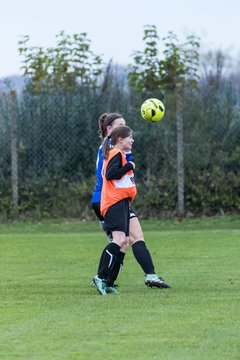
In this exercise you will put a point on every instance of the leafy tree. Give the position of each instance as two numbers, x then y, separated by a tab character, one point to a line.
69	65
144	73
173	72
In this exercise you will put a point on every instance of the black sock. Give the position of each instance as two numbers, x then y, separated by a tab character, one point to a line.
121	256
143	256
101	260
108	259
113	274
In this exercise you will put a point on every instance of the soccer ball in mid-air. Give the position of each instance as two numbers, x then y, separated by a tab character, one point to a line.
152	110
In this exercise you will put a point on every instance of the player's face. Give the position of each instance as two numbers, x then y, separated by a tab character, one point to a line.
116	123
127	143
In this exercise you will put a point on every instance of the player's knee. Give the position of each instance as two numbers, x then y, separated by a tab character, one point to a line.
135	230
125	245
121	240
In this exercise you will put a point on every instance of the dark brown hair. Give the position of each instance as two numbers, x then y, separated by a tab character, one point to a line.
104	121
119	132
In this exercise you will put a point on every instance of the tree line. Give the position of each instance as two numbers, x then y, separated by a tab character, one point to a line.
187	164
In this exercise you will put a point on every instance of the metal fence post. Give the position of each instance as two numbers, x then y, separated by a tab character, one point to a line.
14	152
180	152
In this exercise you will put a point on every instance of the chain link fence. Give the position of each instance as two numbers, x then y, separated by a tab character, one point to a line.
48	147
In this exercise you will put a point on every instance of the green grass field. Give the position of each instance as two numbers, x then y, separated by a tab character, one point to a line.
50	312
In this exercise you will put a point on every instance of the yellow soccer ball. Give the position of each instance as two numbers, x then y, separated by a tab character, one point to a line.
152	110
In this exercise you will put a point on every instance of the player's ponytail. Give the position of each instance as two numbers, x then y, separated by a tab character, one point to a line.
106	147
101	126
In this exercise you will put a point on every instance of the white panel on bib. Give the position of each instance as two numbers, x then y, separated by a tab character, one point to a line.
127	181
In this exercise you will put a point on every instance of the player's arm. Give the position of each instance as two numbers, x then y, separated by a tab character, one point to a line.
115	170
99	165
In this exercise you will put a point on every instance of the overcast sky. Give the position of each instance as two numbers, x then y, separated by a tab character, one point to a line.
115	28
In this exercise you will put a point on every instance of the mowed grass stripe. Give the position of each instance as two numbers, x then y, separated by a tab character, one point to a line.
49	310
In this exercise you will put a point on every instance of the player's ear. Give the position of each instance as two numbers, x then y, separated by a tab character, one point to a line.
109	128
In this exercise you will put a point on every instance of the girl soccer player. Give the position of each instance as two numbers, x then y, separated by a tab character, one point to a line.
118	192
107	123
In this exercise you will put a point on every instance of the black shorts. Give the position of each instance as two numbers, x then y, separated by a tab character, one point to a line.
96	208
132	211
117	217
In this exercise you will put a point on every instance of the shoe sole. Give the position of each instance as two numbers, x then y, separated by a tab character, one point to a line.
157	284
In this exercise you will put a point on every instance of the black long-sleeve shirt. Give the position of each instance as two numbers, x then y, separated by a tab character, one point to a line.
115	170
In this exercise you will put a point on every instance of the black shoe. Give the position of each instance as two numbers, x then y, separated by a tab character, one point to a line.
154	281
